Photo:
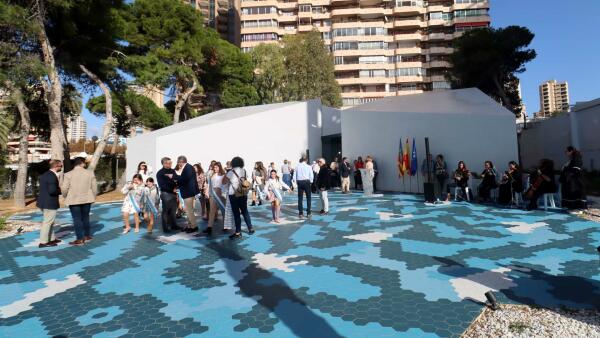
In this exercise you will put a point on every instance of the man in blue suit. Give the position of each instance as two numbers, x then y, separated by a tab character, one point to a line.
48	201
187	182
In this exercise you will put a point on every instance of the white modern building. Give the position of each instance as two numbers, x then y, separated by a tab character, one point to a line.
268	133
461	124
76	128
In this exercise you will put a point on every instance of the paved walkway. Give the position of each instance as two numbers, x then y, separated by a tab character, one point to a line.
381	267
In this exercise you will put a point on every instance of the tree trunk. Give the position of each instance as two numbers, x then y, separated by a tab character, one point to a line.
129	114
21	183
53	95
182	99
108	123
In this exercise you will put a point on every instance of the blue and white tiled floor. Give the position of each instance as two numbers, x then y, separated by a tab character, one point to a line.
381	267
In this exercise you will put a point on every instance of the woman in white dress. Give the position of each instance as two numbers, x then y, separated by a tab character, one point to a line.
274	189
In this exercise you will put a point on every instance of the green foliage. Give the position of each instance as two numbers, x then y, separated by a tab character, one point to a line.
230	73
3	223
270	72
165	39
489	59
145	111
309	70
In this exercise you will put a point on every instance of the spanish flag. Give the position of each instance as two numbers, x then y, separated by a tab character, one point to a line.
400	160
406	158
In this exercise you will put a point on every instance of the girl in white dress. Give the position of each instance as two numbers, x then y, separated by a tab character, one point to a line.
133	203
151	202
274	189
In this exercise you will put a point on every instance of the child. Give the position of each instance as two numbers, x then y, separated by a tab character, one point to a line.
133	202
151	203
274	188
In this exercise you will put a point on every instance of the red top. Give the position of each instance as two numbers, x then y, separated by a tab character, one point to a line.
359	165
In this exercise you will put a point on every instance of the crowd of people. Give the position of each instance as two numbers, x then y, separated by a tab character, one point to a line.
184	189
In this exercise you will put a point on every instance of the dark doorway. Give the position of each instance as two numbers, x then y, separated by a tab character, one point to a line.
332	147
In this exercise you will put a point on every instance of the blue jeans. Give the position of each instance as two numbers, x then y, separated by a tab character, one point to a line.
81	219
287	179
239	207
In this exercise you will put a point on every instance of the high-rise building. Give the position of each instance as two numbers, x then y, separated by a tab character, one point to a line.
554	97
154	93
76	128
381	48
221	15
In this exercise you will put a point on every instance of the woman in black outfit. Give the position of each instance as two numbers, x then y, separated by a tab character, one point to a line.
461	178
541	182
488	182
571	179
512	184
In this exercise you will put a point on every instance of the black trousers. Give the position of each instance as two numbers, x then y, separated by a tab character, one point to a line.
239	207
303	187
169	210
375	181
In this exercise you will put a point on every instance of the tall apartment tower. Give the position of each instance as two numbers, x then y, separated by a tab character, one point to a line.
381	47
222	16
76	128
554	97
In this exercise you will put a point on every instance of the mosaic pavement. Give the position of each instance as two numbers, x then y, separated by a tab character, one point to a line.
381	267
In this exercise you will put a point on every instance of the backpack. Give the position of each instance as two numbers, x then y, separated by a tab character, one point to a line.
244	185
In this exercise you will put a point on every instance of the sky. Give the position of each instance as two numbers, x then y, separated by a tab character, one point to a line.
567	35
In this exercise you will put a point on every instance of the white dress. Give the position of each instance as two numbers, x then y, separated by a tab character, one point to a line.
134	195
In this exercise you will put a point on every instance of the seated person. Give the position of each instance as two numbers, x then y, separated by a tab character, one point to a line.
488	182
461	179
541	182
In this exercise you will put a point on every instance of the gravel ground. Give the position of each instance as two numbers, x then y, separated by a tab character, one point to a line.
16	227
525	321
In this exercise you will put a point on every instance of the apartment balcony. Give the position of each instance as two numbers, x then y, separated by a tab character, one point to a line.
437	64
412	23
438	50
305	27
363	52
409	10
361	24
407	79
436	8
435	78
438	36
268	16
363	80
479	5
408	92
366	94
364	38
408	37
314	2
305	15
344	11
408	50
363	66
481	18
283	31
223	3
374	12
320	16
440	22
245	44
287	18
287	5
415	64
253	30
246	4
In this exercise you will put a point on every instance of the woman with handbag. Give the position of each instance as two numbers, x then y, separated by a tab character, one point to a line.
239	186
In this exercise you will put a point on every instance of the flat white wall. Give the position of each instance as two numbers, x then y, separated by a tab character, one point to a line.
471	138
270	136
588	130
332	121
546	139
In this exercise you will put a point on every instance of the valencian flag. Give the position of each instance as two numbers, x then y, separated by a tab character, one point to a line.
413	159
406	158
400	160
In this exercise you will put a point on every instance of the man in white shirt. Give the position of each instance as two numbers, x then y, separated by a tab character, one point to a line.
303	176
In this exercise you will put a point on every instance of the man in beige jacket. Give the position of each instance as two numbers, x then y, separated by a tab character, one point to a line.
79	190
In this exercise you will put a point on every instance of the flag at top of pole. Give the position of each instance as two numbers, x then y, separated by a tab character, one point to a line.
413	159
400	160
406	158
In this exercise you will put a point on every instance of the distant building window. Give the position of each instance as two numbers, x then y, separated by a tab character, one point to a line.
440	85
465	13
